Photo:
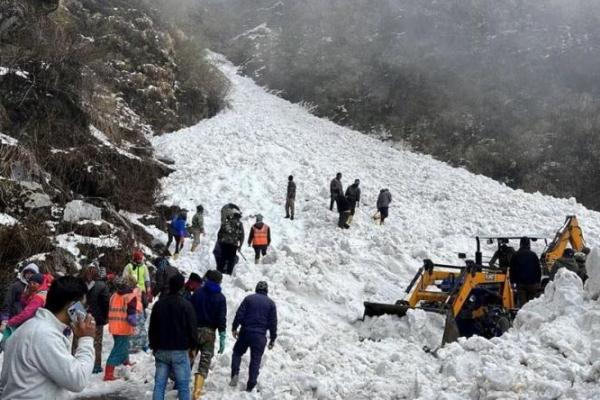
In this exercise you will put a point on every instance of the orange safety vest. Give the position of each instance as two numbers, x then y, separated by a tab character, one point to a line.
261	236
117	315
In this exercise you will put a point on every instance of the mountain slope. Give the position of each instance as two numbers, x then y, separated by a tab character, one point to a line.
319	275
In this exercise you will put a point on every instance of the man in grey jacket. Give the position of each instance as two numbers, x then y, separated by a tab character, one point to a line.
335	189
38	363
383	204
290	198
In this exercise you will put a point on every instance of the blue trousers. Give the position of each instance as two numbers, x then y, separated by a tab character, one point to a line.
178	363
257	343
120	351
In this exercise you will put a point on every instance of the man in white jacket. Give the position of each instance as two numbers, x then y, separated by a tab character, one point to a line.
37	361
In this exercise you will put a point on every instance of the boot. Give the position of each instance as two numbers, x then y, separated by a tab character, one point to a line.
97	369
175	256
292	217
198	384
256	260
109	373
194	247
234	381
349	220
287	216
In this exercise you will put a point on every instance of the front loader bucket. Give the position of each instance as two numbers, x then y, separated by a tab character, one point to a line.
451	331
377	309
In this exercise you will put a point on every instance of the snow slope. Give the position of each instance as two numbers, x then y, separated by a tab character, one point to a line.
319	275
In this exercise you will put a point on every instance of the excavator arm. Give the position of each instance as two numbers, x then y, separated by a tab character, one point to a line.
569	233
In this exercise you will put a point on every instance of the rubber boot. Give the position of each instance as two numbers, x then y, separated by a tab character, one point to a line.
109	373
97	369
198	384
234	381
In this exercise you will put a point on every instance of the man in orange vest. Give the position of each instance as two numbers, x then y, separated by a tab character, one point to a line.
260	238
122	319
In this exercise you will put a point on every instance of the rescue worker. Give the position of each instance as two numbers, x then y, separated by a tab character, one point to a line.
343	206
383	205
525	272
259	238
122	319
139	272
503	255
568	261
177	230
255	315
172	338
353	197
12	298
229	241
210	306
335	189
197	227
290	198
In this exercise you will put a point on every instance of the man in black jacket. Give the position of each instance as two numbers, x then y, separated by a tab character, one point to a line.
164	272
353	196
343	206
98	299
525	272
172	337
211	314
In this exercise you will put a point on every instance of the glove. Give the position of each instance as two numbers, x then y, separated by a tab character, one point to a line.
149	296
271	344
222	337
132	319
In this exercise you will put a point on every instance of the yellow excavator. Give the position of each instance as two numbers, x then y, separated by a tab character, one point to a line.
476	299
571	234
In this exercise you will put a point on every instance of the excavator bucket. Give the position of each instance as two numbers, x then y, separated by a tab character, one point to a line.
451	331
377	309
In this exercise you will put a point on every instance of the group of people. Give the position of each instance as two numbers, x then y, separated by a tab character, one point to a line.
526	269
348	201
58	345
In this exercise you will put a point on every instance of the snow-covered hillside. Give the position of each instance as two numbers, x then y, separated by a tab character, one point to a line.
319	275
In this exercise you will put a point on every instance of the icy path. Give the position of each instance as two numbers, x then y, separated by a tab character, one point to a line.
319	275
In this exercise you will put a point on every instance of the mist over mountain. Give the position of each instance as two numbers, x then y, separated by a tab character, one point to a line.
507	89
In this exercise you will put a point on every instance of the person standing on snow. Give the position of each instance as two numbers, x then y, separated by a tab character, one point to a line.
229	240
173	337
210	306
163	275
33	298
256	315
353	196
335	189
122	320
98	300
259	238
343	206
138	271
38	363
12	297
197	227
290	198
177	230
383	204
525	272
193	283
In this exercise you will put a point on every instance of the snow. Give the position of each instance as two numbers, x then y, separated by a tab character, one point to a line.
69	242
78	210
5	139
319	275
102	138
7	220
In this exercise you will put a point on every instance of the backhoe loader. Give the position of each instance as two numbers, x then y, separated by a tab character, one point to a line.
476	299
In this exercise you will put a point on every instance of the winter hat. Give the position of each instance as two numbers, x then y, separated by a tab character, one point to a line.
32	268
121	283
138	256
194	277
262	287
176	283
259	218
568	253
37	278
290	178
200	209
214	275
580	256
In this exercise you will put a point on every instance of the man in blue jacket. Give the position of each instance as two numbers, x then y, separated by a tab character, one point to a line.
211	314
177	231
256	315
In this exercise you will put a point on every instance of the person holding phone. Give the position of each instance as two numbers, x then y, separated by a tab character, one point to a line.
38	363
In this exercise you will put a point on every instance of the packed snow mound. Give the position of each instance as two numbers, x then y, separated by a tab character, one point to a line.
319	275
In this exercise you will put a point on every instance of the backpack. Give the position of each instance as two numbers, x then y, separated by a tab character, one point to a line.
230	227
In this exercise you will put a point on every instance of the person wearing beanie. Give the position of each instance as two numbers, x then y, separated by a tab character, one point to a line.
210	306
139	272
197	227
256	315
172	337
125	307
259	238
525	272
14	293
193	283
290	198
